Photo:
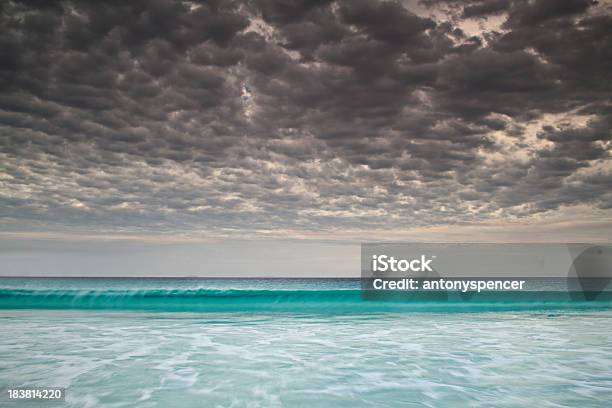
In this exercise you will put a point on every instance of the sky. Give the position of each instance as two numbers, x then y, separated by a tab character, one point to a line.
133	134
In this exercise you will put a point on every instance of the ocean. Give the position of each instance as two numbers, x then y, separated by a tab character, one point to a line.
297	343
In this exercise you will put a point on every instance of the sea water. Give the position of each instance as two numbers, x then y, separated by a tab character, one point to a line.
296	343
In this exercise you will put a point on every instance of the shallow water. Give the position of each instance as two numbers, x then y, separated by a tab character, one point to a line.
120	358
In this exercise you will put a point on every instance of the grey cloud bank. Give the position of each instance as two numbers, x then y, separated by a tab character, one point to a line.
306	118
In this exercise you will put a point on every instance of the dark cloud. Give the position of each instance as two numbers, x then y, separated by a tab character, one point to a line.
306	115
485	8
389	22
529	13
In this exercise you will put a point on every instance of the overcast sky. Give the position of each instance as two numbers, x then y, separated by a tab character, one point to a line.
280	122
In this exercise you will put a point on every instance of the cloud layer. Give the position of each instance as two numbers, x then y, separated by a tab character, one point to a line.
321	116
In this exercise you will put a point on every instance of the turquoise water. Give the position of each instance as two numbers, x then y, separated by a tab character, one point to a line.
296	343
332	296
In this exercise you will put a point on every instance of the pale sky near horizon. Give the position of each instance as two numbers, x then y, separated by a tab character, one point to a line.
156	136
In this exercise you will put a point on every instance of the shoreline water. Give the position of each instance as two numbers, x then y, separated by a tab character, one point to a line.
156	360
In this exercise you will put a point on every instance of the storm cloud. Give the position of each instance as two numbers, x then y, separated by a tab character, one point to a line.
273	115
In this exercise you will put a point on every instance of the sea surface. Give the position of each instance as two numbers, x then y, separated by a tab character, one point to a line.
298	343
